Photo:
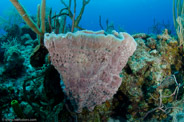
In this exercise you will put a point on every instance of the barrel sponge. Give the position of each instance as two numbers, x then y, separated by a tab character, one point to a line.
89	64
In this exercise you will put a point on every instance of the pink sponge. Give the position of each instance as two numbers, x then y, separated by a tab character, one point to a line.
89	63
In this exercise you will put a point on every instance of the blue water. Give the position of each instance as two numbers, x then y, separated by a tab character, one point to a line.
132	15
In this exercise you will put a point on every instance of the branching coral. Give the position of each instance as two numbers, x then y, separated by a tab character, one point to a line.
28	20
165	98
178	10
178	18
72	16
180	30
40	51
25	16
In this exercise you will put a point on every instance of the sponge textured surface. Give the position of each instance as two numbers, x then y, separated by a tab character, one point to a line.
89	64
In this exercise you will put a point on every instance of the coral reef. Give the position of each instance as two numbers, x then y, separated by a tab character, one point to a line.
153	65
13	59
58	86
153	73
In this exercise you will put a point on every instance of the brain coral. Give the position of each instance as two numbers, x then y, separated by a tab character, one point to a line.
89	64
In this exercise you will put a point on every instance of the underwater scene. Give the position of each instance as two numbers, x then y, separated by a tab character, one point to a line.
92	60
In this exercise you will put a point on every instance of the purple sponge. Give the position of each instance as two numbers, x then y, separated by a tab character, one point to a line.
89	64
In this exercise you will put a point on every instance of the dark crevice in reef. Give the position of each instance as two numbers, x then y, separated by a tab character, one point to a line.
121	110
52	85
128	69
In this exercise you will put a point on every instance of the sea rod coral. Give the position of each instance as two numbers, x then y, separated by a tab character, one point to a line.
89	64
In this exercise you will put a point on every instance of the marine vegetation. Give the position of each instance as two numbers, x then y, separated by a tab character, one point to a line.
178	17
